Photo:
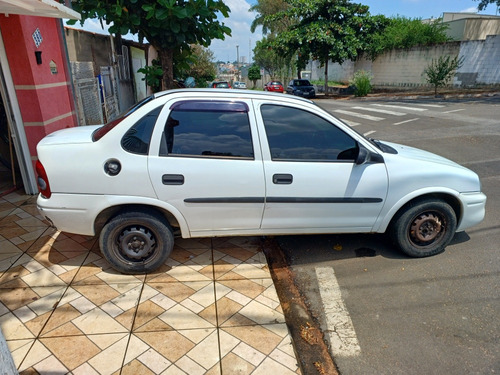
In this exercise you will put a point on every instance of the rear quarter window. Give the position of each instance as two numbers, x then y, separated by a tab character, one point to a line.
137	139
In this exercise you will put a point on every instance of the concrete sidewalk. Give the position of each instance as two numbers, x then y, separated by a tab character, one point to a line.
211	309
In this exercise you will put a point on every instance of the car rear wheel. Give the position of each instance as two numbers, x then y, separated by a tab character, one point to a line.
425	228
136	242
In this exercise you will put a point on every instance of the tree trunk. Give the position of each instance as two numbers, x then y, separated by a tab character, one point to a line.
326	74
167	64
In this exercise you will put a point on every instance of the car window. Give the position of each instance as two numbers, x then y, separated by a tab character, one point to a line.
102	131
295	134
138	137
208	129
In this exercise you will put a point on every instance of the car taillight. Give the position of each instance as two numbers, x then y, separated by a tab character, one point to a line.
42	180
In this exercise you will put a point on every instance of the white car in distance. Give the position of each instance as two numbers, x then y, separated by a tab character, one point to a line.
201	163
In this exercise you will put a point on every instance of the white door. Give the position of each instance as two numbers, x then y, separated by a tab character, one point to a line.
209	166
312	181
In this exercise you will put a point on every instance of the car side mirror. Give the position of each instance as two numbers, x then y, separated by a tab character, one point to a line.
363	156
366	156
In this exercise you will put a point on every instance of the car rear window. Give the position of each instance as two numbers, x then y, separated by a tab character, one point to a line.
136	140
208	129
102	131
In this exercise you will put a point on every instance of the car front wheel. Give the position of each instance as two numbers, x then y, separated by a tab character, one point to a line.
136	242
425	228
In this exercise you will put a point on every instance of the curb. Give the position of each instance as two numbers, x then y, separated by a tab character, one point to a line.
411	96
310	347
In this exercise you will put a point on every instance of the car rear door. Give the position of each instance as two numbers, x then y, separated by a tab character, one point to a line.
209	165
313	184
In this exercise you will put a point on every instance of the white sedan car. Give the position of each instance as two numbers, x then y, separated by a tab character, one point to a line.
200	163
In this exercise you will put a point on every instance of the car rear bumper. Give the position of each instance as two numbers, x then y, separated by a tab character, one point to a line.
474	209
73	215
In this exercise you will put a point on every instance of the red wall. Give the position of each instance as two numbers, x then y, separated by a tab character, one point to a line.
45	99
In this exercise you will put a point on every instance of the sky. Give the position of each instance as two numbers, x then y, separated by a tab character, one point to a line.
240	19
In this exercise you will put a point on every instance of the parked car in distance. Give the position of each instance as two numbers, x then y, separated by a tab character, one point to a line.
239	85
301	87
221	85
274	86
203	162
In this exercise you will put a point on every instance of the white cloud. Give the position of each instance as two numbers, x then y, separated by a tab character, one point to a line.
239	22
469	10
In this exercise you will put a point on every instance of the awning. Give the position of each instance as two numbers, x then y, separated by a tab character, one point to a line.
40	8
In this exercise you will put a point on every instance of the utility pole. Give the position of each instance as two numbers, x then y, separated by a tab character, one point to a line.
237	55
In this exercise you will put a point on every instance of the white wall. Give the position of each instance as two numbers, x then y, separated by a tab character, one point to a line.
405	68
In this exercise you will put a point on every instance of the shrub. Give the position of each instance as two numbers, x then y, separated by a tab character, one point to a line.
362	81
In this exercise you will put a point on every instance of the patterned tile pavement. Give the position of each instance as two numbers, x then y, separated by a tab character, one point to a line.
211	309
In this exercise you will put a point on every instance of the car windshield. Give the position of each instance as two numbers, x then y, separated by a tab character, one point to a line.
275	83
302	82
222	85
102	131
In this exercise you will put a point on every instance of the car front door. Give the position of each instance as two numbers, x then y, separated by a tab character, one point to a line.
313	184
209	165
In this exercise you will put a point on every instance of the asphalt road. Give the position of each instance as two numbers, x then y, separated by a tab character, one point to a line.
384	313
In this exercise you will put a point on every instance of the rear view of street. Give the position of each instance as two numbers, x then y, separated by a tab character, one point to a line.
381	312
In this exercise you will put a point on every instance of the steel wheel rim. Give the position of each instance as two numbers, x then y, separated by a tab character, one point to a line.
427	229
136	243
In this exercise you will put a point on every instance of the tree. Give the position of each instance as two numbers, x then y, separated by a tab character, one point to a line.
484	3
275	64
202	68
440	71
265	8
254	74
327	31
171	26
404	33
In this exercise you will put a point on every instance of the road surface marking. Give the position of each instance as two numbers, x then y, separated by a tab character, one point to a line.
401	107
381	111
455	110
368	133
355	114
339	327
431	105
404	122
350	123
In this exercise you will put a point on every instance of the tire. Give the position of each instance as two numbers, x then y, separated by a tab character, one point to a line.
425	228
136	241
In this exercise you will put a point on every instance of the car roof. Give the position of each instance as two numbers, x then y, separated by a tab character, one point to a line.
232	93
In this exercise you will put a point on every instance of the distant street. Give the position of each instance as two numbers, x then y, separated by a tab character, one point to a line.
385	313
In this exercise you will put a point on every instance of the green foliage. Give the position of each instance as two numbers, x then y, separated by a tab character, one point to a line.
171	26
254	74
321	82
152	75
202	68
326	31
274	63
265	8
484	3
404	33
439	72
362	80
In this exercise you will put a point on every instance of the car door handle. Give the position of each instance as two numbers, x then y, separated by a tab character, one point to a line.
172	179
282	179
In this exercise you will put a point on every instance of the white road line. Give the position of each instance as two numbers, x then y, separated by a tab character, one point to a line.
350	123
380	111
339	327
355	114
455	110
404	122
401	107
368	133
431	105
